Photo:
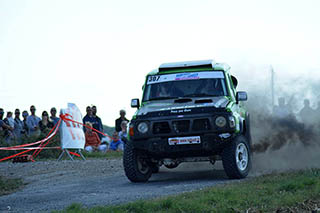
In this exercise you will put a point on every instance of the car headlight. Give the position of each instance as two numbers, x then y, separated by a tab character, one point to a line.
232	121
221	121
143	127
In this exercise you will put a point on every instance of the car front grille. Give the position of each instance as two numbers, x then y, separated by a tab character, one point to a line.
201	124
181	126
161	128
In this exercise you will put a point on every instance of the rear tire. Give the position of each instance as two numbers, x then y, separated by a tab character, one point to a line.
236	158
135	166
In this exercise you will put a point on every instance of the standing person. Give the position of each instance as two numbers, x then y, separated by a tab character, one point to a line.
18	124
97	121
45	124
281	111
25	130
3	126
33	122
53	116
9	135
119	120
88	117
307	114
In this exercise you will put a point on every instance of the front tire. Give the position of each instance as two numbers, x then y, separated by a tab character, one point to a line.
135	166
236	158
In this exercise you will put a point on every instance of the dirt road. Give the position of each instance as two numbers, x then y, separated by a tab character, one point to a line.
55	185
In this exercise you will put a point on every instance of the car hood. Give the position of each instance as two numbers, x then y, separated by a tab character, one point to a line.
167	105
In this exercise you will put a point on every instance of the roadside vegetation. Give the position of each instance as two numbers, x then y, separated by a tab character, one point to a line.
8	186
287	192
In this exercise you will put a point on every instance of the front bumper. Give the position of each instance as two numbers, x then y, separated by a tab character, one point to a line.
158	147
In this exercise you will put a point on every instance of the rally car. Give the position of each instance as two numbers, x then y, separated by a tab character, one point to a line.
189	112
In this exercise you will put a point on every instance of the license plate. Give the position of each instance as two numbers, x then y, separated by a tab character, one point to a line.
184	140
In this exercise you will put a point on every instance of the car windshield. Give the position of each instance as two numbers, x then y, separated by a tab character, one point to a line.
172	86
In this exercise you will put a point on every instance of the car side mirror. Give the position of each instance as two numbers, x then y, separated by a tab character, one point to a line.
241	96
135	103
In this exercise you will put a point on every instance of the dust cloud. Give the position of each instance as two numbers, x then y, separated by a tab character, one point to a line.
291	142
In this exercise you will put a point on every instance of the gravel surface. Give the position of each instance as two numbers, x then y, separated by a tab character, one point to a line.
53	185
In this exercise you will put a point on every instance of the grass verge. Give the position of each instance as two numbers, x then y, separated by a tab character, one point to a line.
108	155
284	192
8	186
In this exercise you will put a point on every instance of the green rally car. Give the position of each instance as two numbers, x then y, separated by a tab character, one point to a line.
189	112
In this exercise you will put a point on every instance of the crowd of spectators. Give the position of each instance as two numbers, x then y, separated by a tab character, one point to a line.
13	128
95	141
307	115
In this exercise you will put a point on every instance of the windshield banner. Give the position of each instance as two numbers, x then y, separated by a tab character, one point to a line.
183	76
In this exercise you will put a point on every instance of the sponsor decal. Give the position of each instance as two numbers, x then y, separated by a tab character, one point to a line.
184	140
187	76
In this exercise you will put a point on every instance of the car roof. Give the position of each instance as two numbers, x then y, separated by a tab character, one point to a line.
190	66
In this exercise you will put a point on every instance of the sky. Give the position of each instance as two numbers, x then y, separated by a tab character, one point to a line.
98	52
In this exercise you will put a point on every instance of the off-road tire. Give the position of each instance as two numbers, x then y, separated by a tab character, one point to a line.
229	158
131	167
155	168
172	166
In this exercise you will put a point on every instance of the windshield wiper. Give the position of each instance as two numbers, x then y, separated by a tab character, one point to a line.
198	95
162	98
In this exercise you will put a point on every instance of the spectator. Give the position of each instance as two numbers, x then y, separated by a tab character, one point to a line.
282	110
116	144
25	115
53	116
18	124
123	132
9	121
93	142
119	120
88	117
3	126
307	114
33	122
97	124
45	124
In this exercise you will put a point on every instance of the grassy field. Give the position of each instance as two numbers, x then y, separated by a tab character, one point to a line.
8	186
288	192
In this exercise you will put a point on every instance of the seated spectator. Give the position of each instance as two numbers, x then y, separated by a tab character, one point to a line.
119	120
105	141
53	116
123	133
33	122
93	142
45	125
18	124
116	144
